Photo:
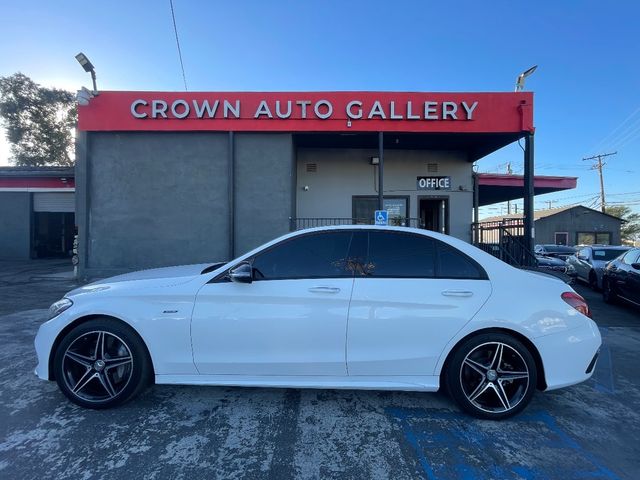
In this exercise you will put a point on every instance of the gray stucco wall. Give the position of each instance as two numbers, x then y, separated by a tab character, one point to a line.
264	172
155	199
576	220
344	173
15	225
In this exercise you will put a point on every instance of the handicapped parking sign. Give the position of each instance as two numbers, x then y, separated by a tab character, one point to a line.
381	217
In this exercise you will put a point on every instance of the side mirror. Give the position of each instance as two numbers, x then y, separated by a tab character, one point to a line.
636	265
242	273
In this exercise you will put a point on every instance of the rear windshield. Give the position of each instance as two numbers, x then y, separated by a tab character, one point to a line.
559	249
607	255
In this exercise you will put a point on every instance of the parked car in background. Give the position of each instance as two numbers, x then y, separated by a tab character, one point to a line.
589	262
557	251
555	264
621	278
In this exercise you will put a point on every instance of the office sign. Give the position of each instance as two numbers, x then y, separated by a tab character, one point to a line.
434	183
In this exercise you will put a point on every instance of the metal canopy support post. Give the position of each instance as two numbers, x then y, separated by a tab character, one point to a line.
476	209
529	232
231	183
381	171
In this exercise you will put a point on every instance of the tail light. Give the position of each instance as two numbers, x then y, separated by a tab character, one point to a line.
577	302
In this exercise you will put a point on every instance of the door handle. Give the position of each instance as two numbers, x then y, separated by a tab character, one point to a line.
324	289
457	293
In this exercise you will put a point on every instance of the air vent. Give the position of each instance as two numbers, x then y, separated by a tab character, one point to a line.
312	167
432	167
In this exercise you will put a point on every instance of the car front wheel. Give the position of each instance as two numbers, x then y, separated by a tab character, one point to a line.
492	376
101	363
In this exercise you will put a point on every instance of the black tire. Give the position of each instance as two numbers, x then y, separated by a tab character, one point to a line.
593	281
608	295
101	363
471	370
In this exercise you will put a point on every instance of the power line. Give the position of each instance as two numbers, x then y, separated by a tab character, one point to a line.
598	166
615	130
175	29
629	136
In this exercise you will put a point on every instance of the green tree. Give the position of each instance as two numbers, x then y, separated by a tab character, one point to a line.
39	122
630	230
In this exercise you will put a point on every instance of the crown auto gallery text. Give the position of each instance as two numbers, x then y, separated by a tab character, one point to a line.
302	109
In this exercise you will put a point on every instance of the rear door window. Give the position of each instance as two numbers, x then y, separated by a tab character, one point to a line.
452	263
400	255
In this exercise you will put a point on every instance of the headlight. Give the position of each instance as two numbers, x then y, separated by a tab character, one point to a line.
59	307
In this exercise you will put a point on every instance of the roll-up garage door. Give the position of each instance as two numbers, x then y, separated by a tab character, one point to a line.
54	202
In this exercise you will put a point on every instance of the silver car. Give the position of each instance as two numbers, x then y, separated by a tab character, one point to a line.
589	262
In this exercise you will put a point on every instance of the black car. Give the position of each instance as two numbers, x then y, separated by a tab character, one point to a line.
621	278
559	268
558	251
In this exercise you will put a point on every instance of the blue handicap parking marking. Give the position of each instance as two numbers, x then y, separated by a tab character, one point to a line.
449	445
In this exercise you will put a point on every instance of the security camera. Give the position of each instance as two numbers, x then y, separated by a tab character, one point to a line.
83	96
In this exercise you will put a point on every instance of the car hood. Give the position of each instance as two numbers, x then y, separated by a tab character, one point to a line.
550	261
153	277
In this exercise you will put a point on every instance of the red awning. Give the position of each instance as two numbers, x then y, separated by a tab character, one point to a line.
496	187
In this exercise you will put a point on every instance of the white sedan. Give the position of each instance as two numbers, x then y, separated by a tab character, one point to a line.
355	307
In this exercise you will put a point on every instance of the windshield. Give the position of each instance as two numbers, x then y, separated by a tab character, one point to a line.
607	255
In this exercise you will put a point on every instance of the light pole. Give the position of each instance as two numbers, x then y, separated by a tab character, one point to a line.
88	67
522	76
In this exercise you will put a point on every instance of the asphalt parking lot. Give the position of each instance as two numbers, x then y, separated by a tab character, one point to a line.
587	431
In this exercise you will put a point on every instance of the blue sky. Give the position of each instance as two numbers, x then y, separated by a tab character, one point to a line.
587	83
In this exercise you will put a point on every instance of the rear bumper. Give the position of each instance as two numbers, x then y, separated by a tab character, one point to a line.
569	357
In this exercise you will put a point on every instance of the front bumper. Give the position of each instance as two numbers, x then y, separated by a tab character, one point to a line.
43	343
567	356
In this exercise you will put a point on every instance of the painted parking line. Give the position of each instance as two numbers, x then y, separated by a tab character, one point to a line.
603	374
533	446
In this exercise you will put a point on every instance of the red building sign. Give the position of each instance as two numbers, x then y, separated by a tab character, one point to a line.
309	112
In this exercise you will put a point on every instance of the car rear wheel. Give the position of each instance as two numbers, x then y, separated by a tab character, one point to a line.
492	376
608	295
593	280
101	363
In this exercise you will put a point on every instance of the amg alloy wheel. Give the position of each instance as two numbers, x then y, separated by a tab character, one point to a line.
492	376
100	364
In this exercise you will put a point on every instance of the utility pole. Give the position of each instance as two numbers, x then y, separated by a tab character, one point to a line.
598	166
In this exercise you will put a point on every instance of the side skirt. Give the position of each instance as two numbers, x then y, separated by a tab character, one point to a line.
425	383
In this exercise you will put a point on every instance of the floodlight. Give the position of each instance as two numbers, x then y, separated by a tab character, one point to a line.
522	76
88	67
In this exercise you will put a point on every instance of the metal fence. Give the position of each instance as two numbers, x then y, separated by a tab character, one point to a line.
301	223
504	239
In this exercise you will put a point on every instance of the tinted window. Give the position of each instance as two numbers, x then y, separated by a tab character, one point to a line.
322	255
606	255
631	257
452	263
559	249
400	255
